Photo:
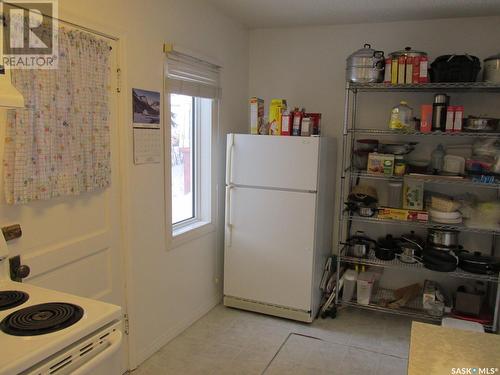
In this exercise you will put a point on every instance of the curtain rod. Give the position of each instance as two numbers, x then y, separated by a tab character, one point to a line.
96	32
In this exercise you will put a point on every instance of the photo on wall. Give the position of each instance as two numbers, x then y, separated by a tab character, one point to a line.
146	108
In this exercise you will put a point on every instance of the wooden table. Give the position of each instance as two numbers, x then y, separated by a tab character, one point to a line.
436	350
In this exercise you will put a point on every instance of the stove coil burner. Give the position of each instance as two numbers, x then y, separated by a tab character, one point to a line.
41	319
12	298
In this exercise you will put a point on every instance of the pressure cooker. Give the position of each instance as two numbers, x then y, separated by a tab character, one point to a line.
366	65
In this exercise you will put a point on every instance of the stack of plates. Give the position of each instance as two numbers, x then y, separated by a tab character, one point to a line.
454	217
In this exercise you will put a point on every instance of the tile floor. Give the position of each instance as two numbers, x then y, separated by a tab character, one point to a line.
229	341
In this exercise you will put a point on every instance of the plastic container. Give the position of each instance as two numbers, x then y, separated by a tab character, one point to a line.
402	117
350	278
365	287
437	158
395	195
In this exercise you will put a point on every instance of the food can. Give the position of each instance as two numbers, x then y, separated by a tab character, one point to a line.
409	70
394	71
401	69
459	115
387	71
424	74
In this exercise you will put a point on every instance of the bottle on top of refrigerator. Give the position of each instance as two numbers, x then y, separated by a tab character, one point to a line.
286	123
297	121
401	117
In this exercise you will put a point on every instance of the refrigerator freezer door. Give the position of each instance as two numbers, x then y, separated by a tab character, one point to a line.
269	246
271	161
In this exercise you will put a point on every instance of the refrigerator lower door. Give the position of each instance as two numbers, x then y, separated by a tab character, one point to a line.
274	162
269	246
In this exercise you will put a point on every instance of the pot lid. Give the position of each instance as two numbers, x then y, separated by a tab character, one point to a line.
494	57
406	51
366	51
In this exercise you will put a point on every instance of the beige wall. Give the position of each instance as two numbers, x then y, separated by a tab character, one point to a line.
167	290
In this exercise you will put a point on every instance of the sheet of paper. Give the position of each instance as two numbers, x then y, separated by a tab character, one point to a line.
147	146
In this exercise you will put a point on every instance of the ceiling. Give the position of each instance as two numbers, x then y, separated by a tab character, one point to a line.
283	13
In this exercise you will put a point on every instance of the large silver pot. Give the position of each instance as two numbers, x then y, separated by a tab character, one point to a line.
366	65
443	238
491	72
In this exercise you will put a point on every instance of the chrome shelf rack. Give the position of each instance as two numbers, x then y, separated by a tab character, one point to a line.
350	176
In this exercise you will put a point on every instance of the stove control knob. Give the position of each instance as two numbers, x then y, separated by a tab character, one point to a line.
23	271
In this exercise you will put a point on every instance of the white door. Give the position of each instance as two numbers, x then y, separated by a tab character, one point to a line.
270	161
269	246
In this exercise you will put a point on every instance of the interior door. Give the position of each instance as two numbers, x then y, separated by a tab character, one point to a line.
269	246
72	244
276	162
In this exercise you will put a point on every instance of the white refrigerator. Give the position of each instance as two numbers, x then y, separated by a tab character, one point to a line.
278	223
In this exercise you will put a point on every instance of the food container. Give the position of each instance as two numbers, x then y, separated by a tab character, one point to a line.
365	283
491	72
411	66
277	107
402	214
365	65
399	165
395	194
316	123
256	114
306	127
402	117
380	164
454	164
481	124
426	120
413	193
350	279
286	123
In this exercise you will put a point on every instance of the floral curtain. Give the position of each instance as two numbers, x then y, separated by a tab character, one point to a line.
60	143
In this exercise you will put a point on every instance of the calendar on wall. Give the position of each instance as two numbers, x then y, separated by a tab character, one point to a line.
146	126
147	145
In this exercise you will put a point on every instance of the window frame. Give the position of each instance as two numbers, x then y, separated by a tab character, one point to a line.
205	185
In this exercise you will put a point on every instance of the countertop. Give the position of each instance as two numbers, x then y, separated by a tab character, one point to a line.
441	350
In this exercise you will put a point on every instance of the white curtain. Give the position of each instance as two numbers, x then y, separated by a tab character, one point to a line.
60	144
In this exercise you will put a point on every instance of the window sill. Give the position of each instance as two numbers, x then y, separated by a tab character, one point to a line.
185	234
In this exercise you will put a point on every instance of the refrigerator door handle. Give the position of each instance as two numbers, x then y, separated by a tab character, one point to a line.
229	159
229	225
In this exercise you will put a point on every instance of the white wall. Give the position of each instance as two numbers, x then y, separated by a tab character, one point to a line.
306	66
168	290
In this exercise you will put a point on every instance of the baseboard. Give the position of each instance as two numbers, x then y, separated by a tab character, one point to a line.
172	333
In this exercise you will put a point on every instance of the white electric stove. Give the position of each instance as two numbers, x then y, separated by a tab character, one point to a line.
47	332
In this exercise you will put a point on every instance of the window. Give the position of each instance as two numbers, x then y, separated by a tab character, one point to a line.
192	97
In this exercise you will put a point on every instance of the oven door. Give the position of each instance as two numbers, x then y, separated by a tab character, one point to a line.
107	362
97	354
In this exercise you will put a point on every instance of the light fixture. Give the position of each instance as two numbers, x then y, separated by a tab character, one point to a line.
10	97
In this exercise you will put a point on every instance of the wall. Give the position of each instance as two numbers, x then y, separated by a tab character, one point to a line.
306	65
167	290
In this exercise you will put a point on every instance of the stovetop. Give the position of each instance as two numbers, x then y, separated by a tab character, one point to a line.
55	320
12	298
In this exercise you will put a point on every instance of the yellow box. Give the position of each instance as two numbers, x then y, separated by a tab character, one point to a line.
275	110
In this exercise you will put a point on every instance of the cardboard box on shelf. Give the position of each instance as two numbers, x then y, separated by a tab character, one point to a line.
380	164
256	114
